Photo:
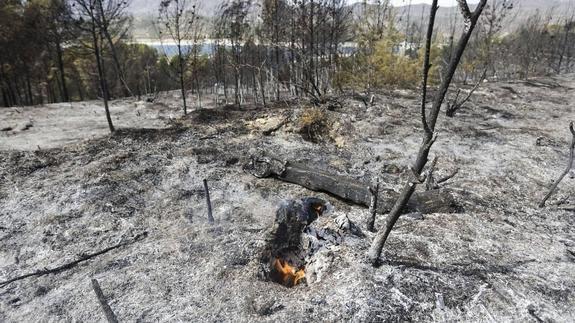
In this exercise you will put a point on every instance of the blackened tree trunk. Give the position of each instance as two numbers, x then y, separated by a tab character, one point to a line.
428	123
113	11
60	59
182	76
102	76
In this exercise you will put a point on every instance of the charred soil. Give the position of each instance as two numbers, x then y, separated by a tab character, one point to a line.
501	258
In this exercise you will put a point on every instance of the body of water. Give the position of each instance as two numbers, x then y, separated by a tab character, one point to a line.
209	47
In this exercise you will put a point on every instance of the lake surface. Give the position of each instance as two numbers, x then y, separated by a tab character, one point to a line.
209	48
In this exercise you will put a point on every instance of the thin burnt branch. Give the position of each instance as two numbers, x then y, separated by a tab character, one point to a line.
110	316
70	265
566	171
430	183
455	105
373	206
208	201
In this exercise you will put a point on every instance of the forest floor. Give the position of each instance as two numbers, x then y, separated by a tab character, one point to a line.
501	258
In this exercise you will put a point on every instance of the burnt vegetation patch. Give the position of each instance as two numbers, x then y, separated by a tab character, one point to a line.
314	125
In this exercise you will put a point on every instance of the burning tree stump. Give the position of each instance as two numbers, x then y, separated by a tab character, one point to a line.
292	240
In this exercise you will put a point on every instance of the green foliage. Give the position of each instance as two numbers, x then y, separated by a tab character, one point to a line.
387	64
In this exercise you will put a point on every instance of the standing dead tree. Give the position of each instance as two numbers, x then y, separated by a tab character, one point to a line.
428	122
113	23
569	166
89	21
179	22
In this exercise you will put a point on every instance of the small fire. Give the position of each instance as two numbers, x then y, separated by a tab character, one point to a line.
285	274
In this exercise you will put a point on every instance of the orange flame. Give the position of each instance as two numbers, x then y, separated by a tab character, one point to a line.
286	274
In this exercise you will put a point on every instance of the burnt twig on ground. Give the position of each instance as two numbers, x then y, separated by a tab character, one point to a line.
373	206
83	258
110	316
569	166
567	208
208	201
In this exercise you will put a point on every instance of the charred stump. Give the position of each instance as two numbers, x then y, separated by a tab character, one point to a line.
292	240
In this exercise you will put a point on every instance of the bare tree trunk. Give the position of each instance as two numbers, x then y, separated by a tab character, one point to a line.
102	77
65	96
428	123
563	48
569	166
181	75
30	97
118	66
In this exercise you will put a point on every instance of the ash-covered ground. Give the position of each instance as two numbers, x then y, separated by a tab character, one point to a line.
500	259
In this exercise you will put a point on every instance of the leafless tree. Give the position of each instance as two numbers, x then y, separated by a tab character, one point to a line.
428	121
178	22
233	24
89	19
565	45
113	22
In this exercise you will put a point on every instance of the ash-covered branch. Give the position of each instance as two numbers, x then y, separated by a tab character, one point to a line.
447	177
70	265
346	188
430	183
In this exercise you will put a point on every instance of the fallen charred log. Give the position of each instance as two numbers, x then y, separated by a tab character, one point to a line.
347	189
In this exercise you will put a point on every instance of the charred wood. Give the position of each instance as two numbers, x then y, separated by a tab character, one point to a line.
110	316
208	201
347	189
70	265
